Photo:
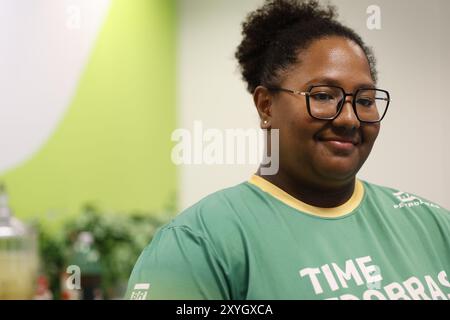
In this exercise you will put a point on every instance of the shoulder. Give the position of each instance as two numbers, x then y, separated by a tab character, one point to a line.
194	252
214	208
217	219
204	241
393	199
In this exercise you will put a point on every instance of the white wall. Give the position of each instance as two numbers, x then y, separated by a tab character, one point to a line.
413	150
209	86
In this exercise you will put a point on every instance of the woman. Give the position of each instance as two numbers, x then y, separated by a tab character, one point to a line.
312	230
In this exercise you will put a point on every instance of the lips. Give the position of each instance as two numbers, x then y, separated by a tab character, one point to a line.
340	145
343	140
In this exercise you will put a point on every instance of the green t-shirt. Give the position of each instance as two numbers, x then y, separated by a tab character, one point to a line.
254	241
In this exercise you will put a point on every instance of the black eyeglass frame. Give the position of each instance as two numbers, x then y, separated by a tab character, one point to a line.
341	103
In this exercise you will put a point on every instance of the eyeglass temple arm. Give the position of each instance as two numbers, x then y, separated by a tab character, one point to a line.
291	91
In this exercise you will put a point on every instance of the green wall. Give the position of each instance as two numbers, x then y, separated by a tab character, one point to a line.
112	148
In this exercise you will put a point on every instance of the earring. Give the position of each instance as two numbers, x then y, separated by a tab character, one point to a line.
266	122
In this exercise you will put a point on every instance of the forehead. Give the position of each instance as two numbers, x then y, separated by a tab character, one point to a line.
336	59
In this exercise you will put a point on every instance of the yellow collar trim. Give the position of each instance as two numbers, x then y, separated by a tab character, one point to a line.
286	198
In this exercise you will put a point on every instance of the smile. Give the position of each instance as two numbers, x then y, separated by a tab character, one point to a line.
340	144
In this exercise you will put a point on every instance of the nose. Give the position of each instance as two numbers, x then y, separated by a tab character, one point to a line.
347	117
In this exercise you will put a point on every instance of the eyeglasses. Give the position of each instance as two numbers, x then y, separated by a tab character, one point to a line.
326	102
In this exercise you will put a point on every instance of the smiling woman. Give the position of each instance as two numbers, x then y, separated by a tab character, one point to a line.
323	154
312	230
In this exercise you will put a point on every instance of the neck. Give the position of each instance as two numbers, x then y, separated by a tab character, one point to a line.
337	193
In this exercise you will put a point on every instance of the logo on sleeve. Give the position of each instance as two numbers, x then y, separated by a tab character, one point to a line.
407	200
140	291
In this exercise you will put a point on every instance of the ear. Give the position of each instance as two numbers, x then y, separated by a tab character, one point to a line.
263	102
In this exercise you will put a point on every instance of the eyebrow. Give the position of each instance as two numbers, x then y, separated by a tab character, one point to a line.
334	82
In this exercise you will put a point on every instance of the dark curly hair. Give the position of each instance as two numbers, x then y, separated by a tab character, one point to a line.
274	34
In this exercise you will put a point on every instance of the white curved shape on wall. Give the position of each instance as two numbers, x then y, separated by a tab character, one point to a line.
44	47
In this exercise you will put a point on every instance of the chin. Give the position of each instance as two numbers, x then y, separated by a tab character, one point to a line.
339	171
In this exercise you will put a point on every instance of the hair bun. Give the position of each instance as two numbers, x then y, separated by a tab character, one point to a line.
274	33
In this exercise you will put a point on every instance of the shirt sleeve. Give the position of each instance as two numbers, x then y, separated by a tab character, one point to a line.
178	265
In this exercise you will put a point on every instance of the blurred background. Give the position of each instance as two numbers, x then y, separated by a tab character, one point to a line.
93	89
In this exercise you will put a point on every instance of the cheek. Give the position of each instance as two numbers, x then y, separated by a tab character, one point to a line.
299	130
297	120
370	133
287	109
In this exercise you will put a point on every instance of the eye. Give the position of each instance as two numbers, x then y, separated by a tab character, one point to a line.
322	97
365	102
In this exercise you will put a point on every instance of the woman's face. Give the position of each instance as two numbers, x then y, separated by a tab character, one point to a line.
316	150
